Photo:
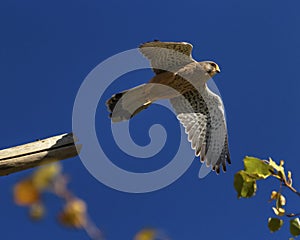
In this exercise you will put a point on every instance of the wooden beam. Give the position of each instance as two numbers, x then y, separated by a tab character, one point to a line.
37	153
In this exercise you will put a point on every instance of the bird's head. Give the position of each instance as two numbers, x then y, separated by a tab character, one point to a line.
210	67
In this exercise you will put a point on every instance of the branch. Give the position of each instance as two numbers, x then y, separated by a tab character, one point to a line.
280	175
286	183
292	214
37	153
292	189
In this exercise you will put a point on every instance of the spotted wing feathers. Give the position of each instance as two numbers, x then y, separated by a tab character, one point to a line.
204	122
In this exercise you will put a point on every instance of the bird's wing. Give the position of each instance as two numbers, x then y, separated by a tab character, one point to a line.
167	56
202	116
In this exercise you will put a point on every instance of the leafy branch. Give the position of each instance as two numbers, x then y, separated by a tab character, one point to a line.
49	178
246	187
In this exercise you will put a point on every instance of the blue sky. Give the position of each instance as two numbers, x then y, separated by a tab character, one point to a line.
48	48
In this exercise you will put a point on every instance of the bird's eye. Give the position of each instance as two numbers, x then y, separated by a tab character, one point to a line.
213	64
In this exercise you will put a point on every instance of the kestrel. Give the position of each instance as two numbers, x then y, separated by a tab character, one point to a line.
182	80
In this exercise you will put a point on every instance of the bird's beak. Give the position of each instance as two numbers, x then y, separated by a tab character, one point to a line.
218	70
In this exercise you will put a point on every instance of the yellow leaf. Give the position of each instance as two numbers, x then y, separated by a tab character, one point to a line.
25	193
282	200
37	211
145	234
278	211
74	214
273	195
44	175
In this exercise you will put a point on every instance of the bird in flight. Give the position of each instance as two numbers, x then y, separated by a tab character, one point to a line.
182	80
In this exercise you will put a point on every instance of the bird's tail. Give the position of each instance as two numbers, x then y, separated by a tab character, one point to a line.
124	105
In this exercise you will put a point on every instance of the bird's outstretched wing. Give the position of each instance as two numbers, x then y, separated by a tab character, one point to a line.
167	56
202	116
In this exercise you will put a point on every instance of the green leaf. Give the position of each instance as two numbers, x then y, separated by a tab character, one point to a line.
295	227
278	168
244	184
257	168
274	224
